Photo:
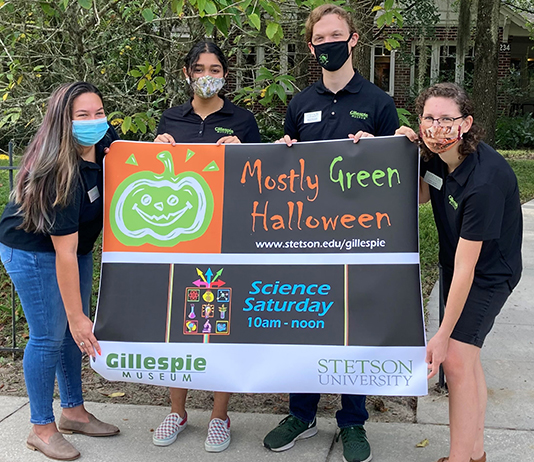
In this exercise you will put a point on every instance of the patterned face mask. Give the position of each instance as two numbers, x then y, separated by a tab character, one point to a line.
441	139
207	86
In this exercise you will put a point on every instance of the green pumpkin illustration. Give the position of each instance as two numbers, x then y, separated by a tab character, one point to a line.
161	209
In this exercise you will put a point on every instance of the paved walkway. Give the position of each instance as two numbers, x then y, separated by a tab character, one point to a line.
508	357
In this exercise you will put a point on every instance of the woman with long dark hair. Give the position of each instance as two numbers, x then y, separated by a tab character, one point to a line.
475	200
207	118
47	233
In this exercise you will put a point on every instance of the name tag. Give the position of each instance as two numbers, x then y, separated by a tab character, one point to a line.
433	180
93	194
312	117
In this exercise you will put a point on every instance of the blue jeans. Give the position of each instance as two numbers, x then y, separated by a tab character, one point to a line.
352	412
50	350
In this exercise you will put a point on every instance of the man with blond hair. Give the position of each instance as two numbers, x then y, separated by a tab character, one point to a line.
342	104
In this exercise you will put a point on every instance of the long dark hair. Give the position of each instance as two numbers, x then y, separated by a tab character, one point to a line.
204	46
452	91
50	164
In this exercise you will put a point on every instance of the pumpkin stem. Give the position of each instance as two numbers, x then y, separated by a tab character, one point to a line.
166	158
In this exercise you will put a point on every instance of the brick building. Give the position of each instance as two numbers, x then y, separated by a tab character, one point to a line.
400	77
419	63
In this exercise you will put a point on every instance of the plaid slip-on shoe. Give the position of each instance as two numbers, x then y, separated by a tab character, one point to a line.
169	429
218	435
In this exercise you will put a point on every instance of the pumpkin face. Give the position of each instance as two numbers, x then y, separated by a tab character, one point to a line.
161	209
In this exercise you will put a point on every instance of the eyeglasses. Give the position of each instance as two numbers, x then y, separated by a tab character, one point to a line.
442	121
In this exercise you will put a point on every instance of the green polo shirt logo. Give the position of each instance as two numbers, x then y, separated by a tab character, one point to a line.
453	203
226	131
359	115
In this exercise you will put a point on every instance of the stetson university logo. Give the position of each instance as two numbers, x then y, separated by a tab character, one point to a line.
323	59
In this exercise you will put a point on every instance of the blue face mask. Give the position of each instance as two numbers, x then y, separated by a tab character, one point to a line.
89	132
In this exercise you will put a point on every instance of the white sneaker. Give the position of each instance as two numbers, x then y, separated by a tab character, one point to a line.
169	429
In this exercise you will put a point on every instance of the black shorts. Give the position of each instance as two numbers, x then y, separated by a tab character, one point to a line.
479	313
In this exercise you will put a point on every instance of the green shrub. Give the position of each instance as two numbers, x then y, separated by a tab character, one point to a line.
515	132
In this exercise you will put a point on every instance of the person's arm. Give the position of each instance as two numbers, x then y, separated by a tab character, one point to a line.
68	279
465	260
424	191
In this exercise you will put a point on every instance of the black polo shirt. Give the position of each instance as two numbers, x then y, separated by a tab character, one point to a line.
83	214
318	114
478	201
187	127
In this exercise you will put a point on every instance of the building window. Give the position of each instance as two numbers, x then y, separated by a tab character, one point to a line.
383	66
278	60
447	63
249	60
440	64
288	61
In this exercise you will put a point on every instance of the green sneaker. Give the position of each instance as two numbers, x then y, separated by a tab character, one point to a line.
288	431
356	447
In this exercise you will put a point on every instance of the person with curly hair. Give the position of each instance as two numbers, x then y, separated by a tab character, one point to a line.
475	201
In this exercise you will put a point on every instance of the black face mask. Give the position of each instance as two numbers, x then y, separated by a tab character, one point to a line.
332	55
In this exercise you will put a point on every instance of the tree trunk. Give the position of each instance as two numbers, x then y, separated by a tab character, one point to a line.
464	34
422	66
486	63
364	20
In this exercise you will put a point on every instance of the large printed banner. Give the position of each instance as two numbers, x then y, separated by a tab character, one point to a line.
263	268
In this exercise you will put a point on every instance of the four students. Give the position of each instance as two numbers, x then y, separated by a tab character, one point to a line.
49	228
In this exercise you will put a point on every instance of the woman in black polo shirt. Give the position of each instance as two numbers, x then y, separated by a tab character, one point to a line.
47	233
475	200
206	118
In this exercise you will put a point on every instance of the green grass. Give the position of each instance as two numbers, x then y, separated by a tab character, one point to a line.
428	249
524	170
522	163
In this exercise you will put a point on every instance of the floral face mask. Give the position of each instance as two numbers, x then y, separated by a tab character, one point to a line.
207	86
441	139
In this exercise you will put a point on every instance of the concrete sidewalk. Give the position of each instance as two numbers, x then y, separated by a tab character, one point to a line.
508	357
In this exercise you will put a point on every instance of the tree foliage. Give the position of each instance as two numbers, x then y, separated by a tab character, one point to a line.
133	50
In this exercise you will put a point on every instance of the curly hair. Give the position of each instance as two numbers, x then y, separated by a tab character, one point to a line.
452	91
